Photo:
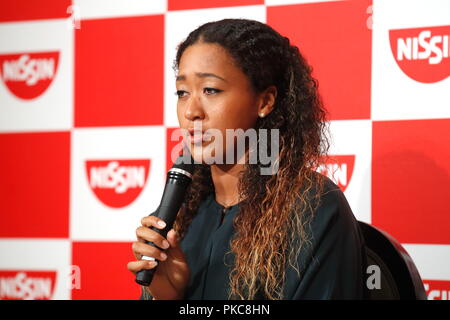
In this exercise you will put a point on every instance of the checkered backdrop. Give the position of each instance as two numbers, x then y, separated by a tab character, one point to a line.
87	107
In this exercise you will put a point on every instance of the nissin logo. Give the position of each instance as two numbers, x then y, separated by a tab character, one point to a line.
117	183
422	53
437	289
27	285
339	169
28	75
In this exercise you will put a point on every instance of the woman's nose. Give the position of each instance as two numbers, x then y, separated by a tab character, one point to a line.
194	109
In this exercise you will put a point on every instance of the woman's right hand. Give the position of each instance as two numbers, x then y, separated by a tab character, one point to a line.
171	278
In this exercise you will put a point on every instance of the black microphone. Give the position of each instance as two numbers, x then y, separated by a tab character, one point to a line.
178	179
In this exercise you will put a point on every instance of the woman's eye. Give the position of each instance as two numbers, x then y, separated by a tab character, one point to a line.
180	93
211	90
208	91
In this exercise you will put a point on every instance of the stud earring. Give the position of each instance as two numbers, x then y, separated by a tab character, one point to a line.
261	115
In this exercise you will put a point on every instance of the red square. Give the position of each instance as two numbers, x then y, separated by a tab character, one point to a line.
119	72
104	273
22	10
201	4
335	39
411	179
35	185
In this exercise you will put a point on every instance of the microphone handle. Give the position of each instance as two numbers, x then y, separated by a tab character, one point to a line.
173	196
145	276
166	213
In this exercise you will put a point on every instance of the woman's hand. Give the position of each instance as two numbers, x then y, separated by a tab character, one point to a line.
171	278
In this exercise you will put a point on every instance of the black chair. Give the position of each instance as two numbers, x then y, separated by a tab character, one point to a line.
399	276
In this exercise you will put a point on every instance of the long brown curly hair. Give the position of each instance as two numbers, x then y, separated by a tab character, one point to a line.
270	227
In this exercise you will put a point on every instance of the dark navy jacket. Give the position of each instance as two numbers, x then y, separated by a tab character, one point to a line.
333	264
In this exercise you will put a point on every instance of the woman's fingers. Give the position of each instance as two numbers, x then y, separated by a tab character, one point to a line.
136	266
153	221
146	234
143	249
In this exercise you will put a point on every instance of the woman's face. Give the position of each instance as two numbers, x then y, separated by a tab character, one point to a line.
214	92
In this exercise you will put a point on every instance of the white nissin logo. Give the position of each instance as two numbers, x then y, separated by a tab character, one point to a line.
408	48
336	172
23	287
119	178
28	70
437	294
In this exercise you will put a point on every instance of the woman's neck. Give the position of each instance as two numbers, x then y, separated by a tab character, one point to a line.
225	178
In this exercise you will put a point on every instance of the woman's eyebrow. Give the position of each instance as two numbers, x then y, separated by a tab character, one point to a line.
201	75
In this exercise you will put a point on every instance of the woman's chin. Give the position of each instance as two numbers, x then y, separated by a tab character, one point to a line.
204	156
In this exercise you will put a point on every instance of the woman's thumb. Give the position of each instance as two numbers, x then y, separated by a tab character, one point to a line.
174	249
173	239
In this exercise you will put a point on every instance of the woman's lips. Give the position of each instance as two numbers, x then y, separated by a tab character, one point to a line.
197	137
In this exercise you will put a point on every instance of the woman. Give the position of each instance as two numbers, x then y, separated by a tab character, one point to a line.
241	234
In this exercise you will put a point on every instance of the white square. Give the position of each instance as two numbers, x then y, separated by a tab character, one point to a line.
96	9
395	95
178	25
52	109
92	218
432	260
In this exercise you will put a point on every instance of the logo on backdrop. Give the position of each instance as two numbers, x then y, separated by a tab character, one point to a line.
339	169
28	75
27	285
422	53
117	183
437	289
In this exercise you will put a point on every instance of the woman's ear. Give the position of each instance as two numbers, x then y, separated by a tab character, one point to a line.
267	101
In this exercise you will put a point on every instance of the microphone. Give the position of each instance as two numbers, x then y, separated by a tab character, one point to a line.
179	178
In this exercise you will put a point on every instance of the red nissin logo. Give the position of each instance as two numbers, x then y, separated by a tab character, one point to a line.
27	285
339	169
422	53
28	75
117	183
437	289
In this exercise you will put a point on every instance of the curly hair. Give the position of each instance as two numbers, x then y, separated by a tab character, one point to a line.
270	227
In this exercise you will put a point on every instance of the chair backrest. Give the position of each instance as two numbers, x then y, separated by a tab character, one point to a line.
399	276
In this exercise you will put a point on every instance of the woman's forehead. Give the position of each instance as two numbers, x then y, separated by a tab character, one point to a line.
209	61
205	55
